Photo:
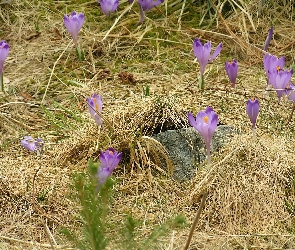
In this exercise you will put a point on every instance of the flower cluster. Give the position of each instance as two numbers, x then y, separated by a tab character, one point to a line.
202	53
110	6
75	21
206	121
277	76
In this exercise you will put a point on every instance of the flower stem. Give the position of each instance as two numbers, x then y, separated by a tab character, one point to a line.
208	155
202	82
254	133
266	93
79	53
193	227
2	82
142	15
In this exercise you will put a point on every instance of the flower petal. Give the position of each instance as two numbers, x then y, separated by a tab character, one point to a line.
268	39
192	120
216	52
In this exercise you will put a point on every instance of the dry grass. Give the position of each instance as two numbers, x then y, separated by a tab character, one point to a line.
249	183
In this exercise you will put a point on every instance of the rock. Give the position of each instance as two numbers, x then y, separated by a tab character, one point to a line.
186	148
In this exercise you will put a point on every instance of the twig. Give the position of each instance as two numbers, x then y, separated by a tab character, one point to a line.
237	39
27	242
287	46
26	103
200	184
196	221
53	71
38	208
179	18
49	235
117	20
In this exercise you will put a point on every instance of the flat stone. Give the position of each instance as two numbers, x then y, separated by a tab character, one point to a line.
186	148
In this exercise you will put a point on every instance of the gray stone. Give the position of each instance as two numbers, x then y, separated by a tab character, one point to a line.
186	148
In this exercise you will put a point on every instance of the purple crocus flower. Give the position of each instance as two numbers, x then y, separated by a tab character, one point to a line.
205	123
203	53
232	71
271	62
109	6
280	80
109	160
252	109
29	143
94	104
290	92
268	39
74	23
4	50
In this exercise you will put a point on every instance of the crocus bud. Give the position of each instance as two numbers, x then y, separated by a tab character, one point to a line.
268	39
109	6
109	160
252	108
4	50
205	123
74	23
94	104
232	71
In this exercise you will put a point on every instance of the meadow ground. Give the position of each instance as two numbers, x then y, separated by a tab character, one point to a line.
250	183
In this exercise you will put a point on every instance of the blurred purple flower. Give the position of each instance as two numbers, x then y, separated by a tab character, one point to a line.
109	6
268	39
203	53
149	4
252	109
205	123
31	144
109	160
4	49
232	71
74	23
279	80
145	5
94	104
290	92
